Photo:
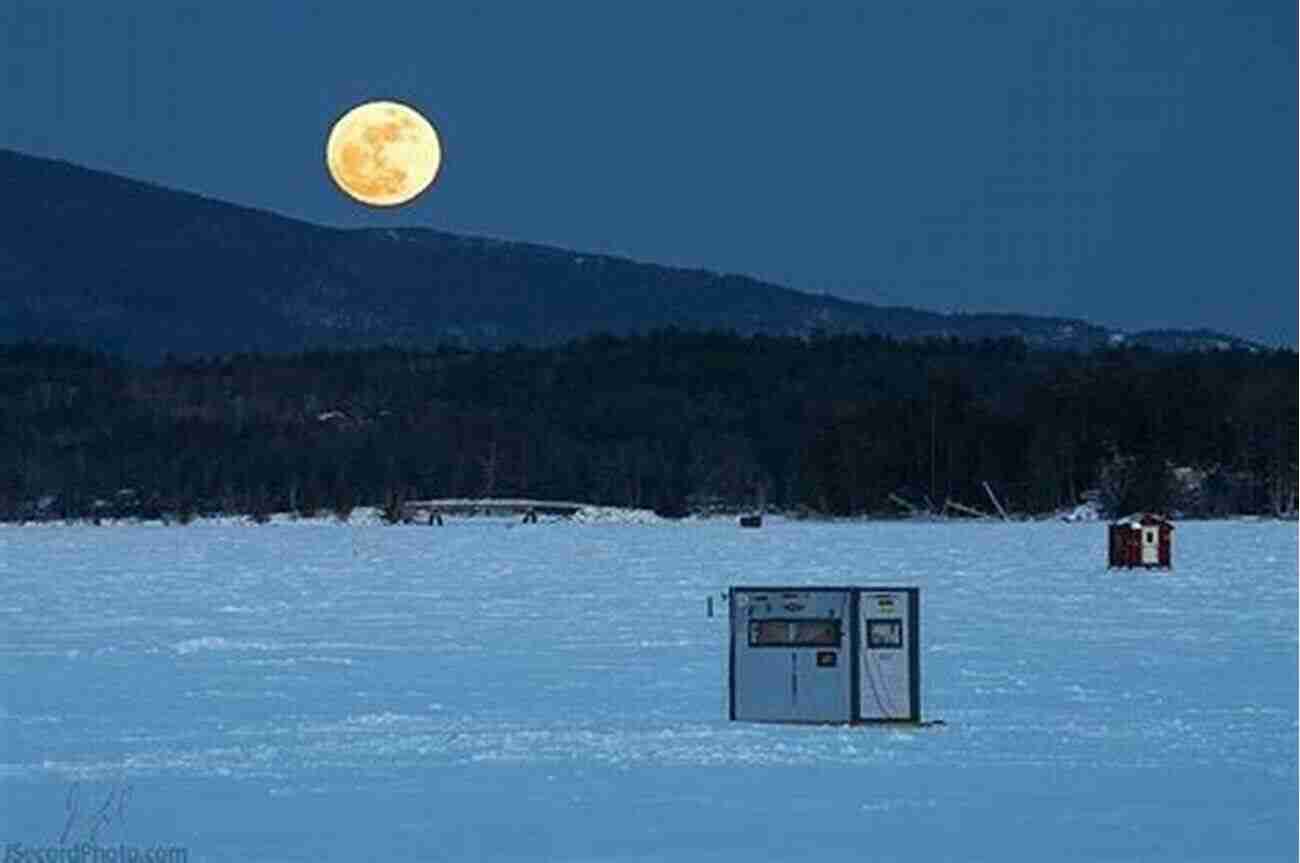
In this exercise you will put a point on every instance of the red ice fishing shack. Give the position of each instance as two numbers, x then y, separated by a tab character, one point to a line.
1144	540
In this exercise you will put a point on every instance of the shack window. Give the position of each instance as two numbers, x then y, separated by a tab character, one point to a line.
794	633
884	632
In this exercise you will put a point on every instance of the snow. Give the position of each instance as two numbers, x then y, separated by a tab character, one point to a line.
1083	512
497	691
616	515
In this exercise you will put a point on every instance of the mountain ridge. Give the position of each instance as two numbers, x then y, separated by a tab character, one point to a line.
141	270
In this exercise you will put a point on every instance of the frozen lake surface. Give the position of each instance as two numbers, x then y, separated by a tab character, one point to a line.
493	691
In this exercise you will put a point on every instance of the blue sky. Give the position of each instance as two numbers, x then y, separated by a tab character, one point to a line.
1129	163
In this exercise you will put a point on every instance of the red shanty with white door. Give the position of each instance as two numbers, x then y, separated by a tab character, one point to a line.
1143	540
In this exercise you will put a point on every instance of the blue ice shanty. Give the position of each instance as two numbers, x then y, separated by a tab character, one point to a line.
825	654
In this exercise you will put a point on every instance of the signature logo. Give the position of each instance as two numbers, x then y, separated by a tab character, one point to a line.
86	812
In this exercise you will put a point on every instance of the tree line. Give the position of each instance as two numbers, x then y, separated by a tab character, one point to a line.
674	421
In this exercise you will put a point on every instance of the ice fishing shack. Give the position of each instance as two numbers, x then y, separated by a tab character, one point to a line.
1142	540
825	654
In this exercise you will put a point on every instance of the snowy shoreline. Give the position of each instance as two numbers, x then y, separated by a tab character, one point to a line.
372	517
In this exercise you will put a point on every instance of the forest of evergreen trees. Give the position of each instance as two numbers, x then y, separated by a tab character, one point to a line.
674	421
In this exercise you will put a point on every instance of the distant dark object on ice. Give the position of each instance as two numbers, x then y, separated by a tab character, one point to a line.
751	521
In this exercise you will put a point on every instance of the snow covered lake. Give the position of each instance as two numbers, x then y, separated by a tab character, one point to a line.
494	691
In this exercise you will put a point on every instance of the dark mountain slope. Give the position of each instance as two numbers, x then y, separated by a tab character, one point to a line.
139	270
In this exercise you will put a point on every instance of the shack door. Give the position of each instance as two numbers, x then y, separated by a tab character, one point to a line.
889	689
1150	546
791	658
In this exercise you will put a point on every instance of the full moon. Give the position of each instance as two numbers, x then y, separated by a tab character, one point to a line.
383	153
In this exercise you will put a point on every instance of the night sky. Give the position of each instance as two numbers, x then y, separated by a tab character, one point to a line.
1131	163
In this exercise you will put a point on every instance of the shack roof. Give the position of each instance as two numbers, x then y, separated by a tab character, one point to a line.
1142	519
